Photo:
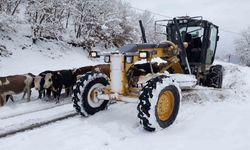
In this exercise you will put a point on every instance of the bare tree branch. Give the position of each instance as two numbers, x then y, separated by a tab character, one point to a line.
17	4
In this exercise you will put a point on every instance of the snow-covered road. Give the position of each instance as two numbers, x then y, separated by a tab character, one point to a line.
206	125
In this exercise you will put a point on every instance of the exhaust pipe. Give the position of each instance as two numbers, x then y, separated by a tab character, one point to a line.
144	40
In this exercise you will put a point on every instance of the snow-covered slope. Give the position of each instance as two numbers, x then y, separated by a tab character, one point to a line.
35	58
49	55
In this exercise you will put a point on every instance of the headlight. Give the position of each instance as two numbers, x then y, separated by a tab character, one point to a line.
107	59
129	59
93	54
143	54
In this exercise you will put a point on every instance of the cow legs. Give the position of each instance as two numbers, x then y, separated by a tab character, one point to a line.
44	93
24	93
28	95
48	92
41	93
58	94
2	100
54	94
9	97
67	91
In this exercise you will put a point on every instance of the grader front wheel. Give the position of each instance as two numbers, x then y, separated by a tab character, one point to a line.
159	103
167	106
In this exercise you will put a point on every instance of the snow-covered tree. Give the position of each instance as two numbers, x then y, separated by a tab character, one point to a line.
46	17
88	23
103	22
243	47
9	6
6	6
8	9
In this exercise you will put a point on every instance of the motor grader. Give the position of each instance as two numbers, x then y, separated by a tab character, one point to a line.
186	57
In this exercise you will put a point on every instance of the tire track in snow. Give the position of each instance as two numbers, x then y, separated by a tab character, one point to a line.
33	119
37	125
32	111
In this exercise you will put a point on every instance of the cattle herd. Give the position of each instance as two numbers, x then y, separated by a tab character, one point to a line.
49	84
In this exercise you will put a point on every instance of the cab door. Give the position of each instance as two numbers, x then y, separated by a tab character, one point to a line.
212	44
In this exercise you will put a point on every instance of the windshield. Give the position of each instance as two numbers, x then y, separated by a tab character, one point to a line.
194	31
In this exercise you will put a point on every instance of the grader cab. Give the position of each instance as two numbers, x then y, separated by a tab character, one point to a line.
135	75
197	39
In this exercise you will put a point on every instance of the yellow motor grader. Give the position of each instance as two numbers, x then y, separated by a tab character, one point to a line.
186	57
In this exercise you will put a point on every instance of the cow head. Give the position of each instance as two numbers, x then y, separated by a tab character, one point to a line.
39	82
48	80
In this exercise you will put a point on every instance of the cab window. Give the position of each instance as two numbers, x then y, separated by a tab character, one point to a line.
212	45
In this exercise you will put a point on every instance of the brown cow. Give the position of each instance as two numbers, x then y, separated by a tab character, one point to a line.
103	68
82	70
15	84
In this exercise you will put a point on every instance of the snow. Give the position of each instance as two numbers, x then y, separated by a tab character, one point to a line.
207	126
185	81
43	56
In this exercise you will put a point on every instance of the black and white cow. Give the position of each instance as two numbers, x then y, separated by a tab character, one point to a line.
39	84
60	79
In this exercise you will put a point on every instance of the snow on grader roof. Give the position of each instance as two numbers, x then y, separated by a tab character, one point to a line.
188	55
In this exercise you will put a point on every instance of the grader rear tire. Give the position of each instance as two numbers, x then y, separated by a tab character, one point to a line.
85	91
159	103
214	77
